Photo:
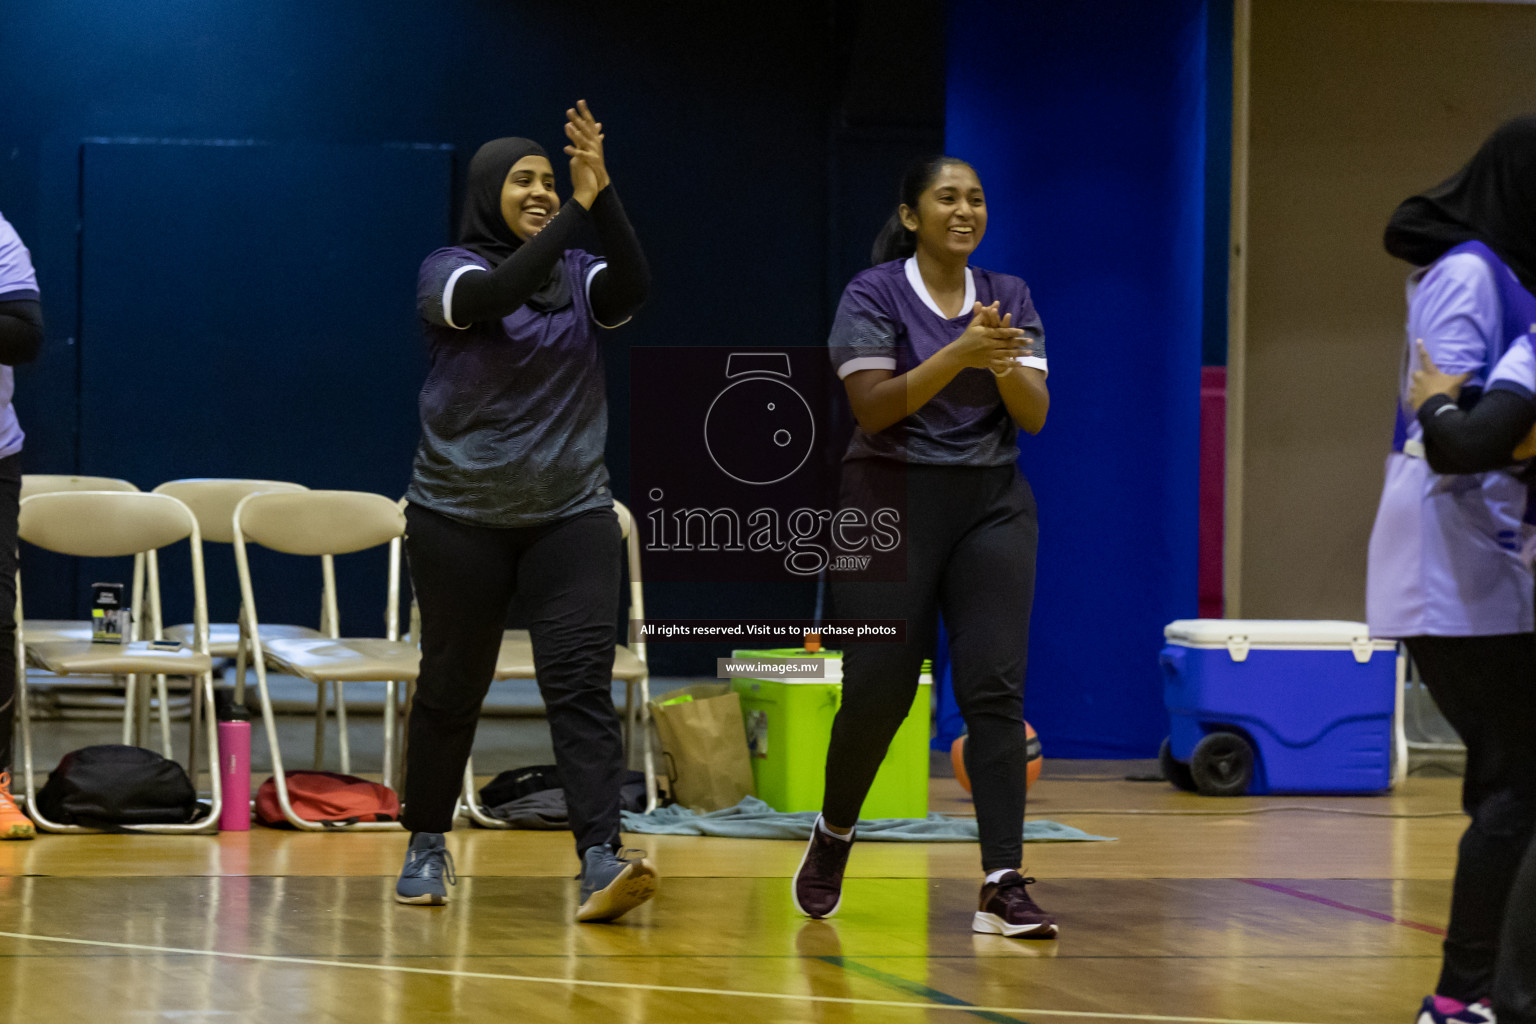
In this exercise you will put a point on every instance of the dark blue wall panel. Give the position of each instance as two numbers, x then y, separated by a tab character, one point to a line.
247	310
1090	141
718	135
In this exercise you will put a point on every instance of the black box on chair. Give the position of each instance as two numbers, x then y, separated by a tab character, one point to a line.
109	616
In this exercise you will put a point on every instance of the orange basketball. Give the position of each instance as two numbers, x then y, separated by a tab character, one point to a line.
1032	759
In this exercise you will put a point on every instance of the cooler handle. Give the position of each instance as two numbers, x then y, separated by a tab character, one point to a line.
1172	660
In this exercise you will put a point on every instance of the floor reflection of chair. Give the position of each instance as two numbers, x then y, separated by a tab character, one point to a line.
103	524
323	524
515	661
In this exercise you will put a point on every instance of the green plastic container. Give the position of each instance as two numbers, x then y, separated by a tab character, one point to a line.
789	726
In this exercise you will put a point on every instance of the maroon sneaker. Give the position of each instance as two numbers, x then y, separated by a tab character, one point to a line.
1006	909
818	885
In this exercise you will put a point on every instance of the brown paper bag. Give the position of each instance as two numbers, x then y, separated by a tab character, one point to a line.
704	745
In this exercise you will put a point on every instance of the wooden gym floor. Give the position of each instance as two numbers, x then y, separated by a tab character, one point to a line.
1323	911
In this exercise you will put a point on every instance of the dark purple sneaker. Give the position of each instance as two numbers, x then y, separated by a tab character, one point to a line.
818	885
1006	909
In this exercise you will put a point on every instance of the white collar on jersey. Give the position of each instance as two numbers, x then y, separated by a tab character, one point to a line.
915	279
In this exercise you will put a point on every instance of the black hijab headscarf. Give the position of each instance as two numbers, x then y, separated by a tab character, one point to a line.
482	228
1491	200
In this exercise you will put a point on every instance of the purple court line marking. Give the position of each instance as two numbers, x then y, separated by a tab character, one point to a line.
1335	904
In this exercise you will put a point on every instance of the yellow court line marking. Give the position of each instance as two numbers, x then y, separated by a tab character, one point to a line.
670	989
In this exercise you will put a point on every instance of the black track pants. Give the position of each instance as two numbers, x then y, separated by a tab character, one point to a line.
969	537
10	505
1486	688
566	575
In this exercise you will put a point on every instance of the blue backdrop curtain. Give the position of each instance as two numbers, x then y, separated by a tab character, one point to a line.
1087	125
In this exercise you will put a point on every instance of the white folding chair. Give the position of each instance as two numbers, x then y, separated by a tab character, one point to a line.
213	501
515	661
106	524
49	483
323	524
43	630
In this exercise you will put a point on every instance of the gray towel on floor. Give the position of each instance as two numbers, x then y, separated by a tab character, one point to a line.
753	819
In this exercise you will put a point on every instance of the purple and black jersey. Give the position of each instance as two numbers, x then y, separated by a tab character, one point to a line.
18	282
514	414
888	321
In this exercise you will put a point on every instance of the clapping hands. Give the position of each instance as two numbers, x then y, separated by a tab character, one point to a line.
589	173
990	340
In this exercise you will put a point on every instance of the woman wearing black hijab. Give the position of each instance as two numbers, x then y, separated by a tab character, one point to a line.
1445	554
509	496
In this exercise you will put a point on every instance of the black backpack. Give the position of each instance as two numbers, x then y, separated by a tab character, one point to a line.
516	783
110	785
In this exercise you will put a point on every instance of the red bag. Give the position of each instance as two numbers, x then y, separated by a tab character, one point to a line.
328	797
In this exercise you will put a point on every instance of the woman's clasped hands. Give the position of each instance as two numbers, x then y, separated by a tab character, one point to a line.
990	341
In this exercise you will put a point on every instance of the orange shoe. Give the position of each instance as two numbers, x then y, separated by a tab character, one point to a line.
13	824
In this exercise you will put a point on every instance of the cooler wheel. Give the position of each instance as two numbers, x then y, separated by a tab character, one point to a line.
1174	770
1222	764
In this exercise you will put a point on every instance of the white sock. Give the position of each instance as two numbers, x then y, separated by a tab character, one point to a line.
821	825
994	877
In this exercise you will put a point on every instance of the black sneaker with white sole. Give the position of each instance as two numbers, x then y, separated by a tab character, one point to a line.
614	882
1006	909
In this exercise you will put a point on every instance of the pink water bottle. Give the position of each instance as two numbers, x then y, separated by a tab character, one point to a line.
234	762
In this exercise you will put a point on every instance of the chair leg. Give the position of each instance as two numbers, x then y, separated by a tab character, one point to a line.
163	693
649	759
390	697
196	714
240	669
321	689
202	703
130	705
145	694
471	801
28	770
403	731
341	730
1399	725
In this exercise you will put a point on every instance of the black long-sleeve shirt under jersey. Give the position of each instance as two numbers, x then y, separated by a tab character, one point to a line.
21	331
617	291
1479	439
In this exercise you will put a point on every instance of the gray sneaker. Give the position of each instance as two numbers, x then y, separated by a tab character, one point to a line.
614	883
428	871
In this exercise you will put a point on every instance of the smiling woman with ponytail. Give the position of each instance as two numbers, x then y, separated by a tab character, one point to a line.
896	241
943	363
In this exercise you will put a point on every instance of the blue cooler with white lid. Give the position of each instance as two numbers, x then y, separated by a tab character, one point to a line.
1274	706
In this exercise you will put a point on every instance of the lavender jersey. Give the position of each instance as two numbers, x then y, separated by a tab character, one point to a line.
514	413
888	321
17	281
1445	556
1516	370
